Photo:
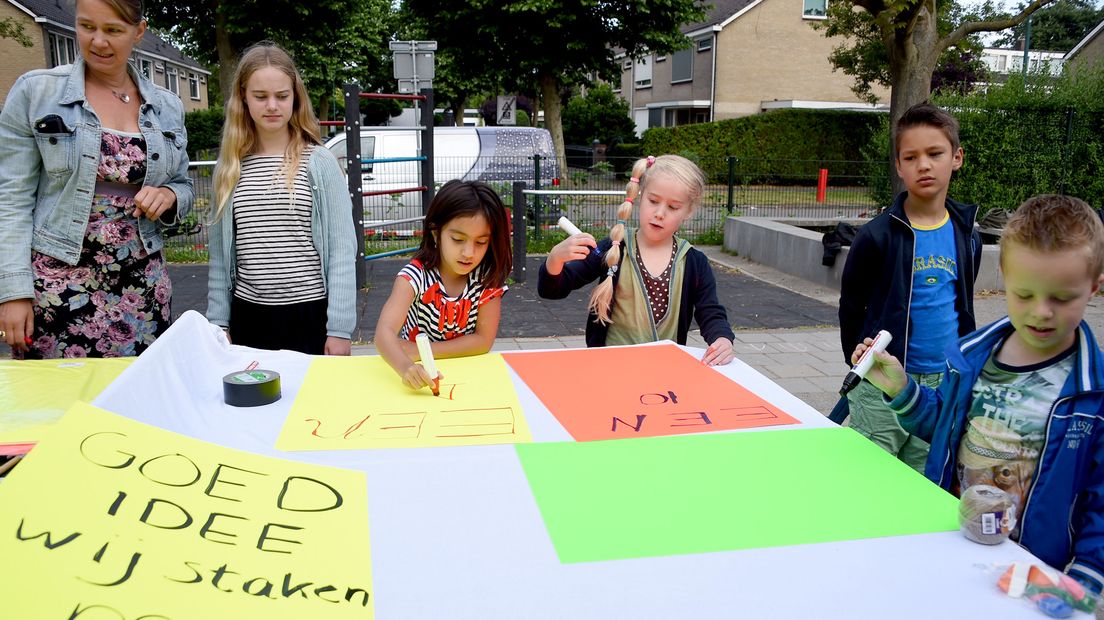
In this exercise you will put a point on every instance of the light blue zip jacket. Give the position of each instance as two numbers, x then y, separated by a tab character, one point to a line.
334	238
1062	519
48	168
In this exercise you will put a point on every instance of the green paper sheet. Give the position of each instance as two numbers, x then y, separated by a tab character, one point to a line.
658	496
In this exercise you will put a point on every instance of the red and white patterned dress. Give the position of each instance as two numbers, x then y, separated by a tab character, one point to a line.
435	313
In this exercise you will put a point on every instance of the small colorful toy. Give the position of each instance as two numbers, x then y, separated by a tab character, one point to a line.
1054	593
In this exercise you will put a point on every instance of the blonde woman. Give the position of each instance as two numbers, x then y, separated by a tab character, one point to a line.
93	165
282	243
652	283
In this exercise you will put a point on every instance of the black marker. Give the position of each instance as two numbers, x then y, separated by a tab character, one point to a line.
859	370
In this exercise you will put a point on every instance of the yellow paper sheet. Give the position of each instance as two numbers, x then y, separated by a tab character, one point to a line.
35	393
359	402
109	518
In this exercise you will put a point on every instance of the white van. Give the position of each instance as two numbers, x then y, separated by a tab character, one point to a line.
496	155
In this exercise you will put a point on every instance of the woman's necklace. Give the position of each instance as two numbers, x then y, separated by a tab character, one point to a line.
120	95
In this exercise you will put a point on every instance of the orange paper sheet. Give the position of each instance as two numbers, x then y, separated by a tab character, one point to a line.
643	391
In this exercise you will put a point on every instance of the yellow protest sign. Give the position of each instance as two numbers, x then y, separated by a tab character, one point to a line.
359	402
35	393
111	519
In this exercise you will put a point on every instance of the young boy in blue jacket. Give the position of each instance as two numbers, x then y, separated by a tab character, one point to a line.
911	272
1021	406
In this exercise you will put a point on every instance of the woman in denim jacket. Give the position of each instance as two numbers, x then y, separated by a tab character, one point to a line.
92	166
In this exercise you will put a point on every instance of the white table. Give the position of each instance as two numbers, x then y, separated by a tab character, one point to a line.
456	533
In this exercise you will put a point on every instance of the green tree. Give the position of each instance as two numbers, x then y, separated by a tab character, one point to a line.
333	41
1058	27
11	29
900	43
600	116
552	43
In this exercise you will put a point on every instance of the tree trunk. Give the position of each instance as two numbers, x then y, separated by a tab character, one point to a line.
227	55
912	59
550	93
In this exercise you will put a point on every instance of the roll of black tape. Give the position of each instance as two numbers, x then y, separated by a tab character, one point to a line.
251	388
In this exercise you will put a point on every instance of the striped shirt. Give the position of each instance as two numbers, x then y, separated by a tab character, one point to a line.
277	263
434	312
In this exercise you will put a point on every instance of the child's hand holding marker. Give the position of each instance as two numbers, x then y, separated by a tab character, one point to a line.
425	373
885	372
578	245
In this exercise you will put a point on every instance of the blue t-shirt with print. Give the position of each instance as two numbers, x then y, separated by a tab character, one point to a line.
932	312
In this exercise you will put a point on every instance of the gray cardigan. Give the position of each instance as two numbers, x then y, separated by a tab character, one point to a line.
333	235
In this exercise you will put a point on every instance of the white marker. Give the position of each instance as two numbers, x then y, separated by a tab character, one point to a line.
571	229
427	362
859	370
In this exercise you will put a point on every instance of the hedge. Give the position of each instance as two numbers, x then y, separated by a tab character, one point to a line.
204	130
774	147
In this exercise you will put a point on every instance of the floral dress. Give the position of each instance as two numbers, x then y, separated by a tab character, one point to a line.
115	301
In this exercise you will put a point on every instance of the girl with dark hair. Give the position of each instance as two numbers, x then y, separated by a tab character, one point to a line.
452	289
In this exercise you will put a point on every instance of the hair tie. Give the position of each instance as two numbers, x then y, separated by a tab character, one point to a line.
651	160
629	200
624	223
634	179
612	271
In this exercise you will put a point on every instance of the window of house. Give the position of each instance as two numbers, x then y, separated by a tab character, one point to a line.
682	66
172	81
815	9
193	86
146	67
661	58
706	44
63	50
627	64
643	74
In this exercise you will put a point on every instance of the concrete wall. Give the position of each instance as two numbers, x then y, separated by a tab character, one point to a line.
18	59
798	252
773	52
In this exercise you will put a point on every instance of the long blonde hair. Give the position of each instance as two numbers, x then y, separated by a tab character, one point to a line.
239	135
674	166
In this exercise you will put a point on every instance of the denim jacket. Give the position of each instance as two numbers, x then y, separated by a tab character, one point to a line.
49	152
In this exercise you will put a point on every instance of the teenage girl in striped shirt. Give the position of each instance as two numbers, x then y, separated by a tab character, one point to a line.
282	243
452	289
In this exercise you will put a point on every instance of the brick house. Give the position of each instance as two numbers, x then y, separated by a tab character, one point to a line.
748	56
1089	51
49	25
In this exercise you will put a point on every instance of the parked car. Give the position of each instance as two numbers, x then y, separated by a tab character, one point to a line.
496	155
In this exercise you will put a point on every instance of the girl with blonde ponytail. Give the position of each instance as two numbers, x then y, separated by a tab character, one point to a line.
652	284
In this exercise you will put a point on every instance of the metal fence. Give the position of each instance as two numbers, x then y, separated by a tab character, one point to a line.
775	188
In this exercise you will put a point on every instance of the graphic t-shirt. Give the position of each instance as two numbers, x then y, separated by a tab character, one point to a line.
932	310
1006	425
435	313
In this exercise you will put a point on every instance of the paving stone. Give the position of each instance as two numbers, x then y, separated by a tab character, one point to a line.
786	371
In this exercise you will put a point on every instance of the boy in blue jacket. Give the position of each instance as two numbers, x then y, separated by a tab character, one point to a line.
1021	406
911	272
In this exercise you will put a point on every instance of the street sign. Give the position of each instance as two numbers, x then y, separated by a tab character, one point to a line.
507	110
413	64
